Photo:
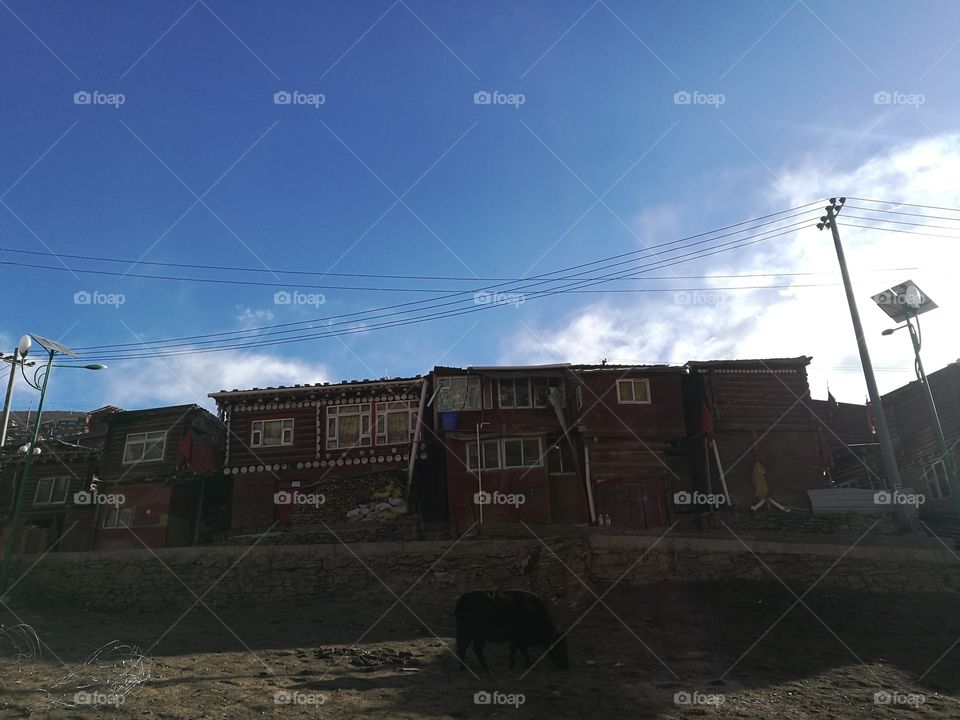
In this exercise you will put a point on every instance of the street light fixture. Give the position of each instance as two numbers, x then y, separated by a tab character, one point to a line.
41	377
19	353
904	303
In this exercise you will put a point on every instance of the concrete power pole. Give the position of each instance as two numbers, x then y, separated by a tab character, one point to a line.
890	469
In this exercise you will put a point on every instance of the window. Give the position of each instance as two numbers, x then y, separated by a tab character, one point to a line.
491	455
521	452
507	453
267	433
458	393
936	477
396	422
144	447
579	397
633	391
348	426
118	517
52	491
515	393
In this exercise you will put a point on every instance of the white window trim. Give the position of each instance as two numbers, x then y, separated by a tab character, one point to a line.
257	426
521	440
384	410
364	439
163	447
50	499
502	455
117	525
447	381
514	380
579	393
645	381
480	456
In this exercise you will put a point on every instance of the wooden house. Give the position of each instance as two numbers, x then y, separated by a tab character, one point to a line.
166	465
55	515
914	439
560	444
325	453
759	412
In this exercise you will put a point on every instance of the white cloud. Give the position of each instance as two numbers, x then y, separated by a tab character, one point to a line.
188	378
250	318
796	320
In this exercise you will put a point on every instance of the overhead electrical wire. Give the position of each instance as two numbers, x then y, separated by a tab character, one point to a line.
171	349
429	309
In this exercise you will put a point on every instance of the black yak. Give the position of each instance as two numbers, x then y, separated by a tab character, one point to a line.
515	616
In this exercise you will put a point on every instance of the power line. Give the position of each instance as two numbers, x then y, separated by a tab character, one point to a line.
898	230
242	343
904	204
234	268
431	301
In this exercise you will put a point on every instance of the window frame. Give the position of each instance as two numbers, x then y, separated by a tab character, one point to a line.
484	443
523	452
254	429
513	382
145	443
50	493
470	383
500	444
633	381
364	435
383	413
116	513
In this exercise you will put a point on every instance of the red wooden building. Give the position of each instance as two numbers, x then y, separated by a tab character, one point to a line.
564	444
760	412
915	443
349	451
165	463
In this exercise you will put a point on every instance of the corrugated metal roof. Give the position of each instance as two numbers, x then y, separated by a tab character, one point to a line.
316	386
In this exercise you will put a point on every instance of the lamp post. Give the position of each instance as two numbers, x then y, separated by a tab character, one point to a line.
19	353
40	379
904	303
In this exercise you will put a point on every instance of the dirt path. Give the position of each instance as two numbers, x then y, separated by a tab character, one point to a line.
732	649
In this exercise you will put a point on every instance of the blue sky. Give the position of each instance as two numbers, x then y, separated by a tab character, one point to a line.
501	190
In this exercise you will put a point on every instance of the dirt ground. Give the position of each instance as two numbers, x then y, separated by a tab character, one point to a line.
732	649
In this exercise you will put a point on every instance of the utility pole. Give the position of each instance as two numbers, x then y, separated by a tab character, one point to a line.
890	469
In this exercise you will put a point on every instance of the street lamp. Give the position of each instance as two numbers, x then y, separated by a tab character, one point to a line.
19	353
41	377
904	303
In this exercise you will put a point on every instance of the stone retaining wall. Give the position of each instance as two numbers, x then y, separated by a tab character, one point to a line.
260	574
